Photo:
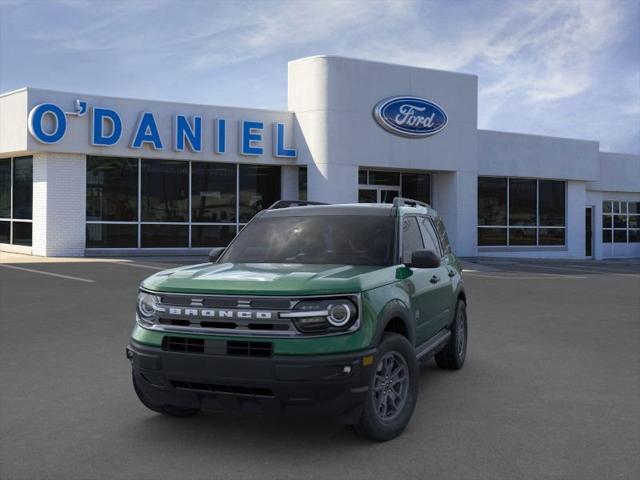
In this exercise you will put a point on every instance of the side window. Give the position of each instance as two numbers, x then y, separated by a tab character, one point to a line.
411	238
442	233
429	235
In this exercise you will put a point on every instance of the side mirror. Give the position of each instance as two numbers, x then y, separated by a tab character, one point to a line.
424	259
215	253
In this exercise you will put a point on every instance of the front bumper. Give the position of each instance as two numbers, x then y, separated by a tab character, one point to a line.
320	385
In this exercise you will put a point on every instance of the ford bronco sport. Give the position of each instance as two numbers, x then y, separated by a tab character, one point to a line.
312	309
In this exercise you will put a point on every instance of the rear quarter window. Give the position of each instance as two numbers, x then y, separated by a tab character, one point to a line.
442	235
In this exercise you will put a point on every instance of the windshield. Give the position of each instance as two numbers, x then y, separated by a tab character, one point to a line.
316	239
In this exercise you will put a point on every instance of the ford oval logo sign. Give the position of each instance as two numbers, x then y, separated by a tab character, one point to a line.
410	116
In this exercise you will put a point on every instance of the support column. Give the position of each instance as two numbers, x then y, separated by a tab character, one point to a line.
332	183
289	182
59	204
454	197
575	221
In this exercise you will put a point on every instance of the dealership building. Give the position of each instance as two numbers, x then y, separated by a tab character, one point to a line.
94	175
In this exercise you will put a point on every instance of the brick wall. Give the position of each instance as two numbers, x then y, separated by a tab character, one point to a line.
59	197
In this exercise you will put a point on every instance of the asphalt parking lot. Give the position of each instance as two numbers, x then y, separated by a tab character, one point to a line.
551	388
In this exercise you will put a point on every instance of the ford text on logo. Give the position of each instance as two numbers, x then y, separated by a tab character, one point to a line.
410	116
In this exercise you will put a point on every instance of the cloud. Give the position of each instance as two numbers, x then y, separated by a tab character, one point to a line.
543	66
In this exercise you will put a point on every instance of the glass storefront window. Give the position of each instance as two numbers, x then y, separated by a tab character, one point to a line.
213	192
620	221
416	186
260	187
551	203
144	203
384	186
383	178
112	235
302	183
522	202
5	231
492	201
521	212
212	235
112	189
165	188
5	188
522	236
488	237
164	236
16	200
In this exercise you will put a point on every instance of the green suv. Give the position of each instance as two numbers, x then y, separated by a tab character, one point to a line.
320	310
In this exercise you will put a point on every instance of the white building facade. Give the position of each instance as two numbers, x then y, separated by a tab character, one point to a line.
94	175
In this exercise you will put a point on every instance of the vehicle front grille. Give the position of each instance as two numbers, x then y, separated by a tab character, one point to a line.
183	344
217	347
249	349
229	389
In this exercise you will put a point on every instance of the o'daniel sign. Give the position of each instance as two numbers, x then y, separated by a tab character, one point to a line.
408	116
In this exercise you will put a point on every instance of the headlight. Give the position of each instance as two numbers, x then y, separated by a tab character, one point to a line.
146	307
323	315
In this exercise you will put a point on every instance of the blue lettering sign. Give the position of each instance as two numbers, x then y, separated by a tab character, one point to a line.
249	136
36	116
147	132
279	150
98	136
184	131
221	131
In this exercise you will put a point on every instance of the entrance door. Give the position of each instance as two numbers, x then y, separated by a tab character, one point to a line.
588	232
378	194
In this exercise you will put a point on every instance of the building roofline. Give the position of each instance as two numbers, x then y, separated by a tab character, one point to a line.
541	136
66	92
343	57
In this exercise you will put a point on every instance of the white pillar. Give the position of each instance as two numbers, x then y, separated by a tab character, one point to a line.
332	183
455	196
575	221
289	182
59	204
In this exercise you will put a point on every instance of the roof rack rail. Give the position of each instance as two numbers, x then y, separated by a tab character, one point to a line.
293	203
404	202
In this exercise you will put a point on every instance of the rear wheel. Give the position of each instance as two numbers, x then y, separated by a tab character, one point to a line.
393	390
169	410
452	356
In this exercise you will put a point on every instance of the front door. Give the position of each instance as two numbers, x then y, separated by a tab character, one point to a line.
588	232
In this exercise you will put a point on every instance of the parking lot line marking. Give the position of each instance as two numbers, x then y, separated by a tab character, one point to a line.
59	275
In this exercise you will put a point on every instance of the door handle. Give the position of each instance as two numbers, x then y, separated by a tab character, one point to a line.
435	279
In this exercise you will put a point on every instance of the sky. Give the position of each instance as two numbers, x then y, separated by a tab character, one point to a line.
568	68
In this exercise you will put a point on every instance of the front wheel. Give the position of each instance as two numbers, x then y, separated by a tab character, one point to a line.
393	390
452	356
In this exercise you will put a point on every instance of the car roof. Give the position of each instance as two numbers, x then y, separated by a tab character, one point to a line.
363	209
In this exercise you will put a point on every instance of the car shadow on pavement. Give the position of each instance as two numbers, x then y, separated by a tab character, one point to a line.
261	433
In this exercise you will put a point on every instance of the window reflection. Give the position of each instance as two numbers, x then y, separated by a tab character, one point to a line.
165	187
213	192
259	189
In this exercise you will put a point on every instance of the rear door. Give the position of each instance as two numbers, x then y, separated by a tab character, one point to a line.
421	285
439	306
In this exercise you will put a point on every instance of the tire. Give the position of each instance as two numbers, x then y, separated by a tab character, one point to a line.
452	356
385	415
169	410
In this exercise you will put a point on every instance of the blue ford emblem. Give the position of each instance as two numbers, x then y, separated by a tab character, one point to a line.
410	116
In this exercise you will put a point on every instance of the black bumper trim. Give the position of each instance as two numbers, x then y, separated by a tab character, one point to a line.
320	385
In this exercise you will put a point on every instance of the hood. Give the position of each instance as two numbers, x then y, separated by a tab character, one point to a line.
270	279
